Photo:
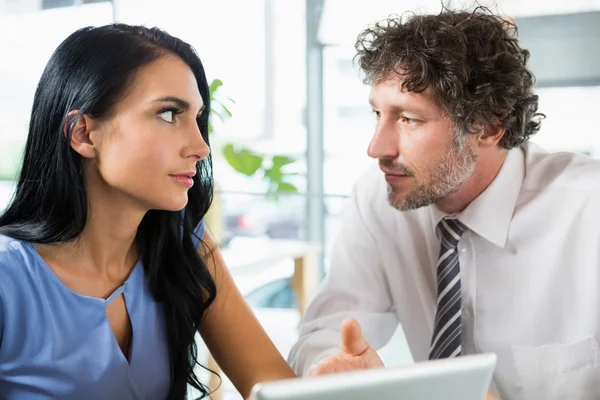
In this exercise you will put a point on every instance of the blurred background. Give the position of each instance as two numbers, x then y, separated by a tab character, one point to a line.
292	121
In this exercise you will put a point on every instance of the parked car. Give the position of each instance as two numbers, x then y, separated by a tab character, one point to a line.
258	216
275	294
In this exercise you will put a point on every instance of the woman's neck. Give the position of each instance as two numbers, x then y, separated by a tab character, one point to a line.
106	247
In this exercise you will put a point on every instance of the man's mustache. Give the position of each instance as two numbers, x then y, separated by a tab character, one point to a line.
395	167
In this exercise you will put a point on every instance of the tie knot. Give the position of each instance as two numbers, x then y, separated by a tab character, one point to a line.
451	230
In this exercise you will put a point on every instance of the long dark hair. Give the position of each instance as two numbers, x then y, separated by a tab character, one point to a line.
90	72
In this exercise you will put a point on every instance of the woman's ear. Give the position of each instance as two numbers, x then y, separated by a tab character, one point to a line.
81	126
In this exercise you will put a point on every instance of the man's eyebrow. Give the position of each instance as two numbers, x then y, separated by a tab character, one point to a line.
399	108
407	108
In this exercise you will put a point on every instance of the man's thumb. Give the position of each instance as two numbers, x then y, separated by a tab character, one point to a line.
352	341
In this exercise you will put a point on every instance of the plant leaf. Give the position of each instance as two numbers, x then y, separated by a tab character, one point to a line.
226	110
243	161
274	174
216	113
214	86
280	161
286	187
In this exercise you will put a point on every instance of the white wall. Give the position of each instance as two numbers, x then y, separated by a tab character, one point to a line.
19	6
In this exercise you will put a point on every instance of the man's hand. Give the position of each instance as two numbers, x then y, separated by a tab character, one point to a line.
355	353
490	396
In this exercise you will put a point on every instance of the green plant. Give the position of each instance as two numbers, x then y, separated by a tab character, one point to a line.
246	161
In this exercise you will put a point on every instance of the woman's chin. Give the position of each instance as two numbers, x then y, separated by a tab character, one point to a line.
177	203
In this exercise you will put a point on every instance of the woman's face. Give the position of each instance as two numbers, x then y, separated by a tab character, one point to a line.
147	151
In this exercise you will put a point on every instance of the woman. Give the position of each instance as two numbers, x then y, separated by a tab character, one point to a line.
106	270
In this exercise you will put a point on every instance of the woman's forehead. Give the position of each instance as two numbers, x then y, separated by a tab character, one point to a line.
167	77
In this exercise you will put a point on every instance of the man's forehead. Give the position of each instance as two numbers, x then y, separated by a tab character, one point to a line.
391	90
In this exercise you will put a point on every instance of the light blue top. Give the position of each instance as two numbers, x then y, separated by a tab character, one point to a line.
57	344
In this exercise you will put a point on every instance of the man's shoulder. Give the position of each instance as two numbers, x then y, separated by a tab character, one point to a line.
371	179
370	189
371	198
560	170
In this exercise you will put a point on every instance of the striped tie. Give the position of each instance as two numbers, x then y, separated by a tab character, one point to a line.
445	342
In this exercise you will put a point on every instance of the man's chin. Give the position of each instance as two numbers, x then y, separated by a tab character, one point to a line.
407	201
398	201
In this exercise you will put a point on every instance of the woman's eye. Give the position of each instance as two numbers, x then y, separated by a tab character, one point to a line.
167	116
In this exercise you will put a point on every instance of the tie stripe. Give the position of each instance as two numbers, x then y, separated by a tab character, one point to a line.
446	338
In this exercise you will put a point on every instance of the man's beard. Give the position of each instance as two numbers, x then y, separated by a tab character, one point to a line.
442	180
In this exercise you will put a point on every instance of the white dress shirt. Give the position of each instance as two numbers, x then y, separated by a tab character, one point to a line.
530	274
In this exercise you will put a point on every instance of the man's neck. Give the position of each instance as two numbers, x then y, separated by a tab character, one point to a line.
487	167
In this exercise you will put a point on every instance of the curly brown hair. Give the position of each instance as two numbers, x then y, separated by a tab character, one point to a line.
471	60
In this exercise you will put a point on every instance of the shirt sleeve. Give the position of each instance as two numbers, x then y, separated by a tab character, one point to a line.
198	234
355	286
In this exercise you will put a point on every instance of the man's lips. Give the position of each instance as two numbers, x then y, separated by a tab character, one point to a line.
389	172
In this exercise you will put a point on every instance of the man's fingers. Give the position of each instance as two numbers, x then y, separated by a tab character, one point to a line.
352	341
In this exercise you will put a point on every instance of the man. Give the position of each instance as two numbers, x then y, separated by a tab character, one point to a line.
470	237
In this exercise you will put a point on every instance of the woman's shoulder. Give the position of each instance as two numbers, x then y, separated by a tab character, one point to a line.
198	234
15	259
10	249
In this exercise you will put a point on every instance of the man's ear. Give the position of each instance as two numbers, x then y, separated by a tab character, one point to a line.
81	127
490	136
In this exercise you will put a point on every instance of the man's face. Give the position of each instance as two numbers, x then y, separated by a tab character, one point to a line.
423	159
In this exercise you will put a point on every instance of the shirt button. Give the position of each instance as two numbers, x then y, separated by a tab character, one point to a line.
463	253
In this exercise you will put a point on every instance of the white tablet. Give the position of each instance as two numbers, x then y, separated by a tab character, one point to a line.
461	378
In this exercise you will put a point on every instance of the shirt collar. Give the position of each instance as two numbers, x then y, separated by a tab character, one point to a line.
490	214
